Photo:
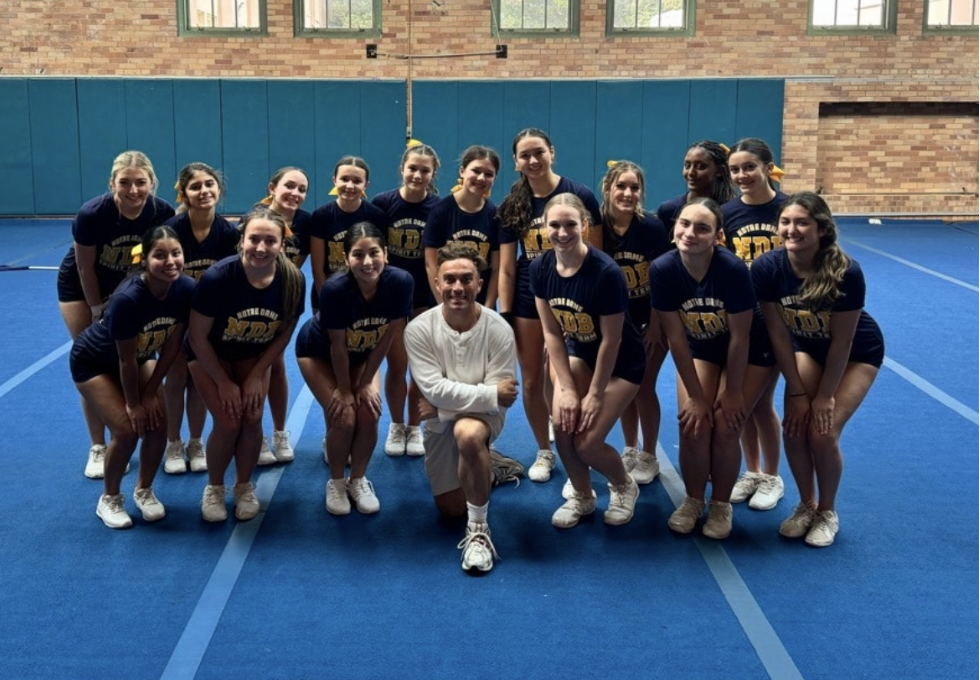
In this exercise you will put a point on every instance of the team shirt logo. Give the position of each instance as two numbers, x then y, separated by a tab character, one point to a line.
335	259
753	240
704	318
637	275
241	328
802	322
365	334
574	322
476	238
405	239
118	255
536	241
153	336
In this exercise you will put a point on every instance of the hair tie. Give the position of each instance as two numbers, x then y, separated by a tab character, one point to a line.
137	253
777	174
334	192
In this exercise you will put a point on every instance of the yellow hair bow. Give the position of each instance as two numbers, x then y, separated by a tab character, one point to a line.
180	194
459	187
413	142
728	152
611	163
267	200
137	253
777	174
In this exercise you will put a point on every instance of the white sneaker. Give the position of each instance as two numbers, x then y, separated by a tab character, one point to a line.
266	456
246	503
148	504
745	486
719	522
770	490
197	456
544	463
622	502
413	441
112	511
478	550
362	492
798	524
337	501
95	467
213	503
573	509
645	469
824	529
685	518
173	458
282	450
396	442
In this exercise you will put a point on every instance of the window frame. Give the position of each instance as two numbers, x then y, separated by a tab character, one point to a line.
689	10
185	30
942	29
301	31
890	21
574	23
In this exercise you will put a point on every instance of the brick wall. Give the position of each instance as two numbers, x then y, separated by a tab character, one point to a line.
752	37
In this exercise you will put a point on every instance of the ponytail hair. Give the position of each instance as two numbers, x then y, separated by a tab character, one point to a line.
293	285
616	169
516	211
821	288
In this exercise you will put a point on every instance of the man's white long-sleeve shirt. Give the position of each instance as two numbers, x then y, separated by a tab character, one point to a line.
458	372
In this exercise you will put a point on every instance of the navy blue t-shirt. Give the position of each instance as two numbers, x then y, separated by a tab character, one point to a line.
775	281
448	222
132	312
750	230
578	302
644	241
703	306
406	224
330	223
246	319
221	242
100	224
668	212
343	307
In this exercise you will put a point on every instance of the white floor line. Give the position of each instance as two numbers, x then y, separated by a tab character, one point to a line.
913	265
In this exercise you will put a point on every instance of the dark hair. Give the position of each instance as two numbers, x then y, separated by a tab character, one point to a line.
516	211
477	152
712	207
614	172
420	149
757	148
821	288
363	230
462	250
357	162
293	285
187	173
723	191
154	234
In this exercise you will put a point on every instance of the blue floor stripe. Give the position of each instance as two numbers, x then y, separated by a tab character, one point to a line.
34	368
194	641
915	266
934	391
770	649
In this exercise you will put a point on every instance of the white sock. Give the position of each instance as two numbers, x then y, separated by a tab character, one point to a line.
477	514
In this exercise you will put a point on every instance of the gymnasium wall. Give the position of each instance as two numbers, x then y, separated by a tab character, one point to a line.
732	43
64	132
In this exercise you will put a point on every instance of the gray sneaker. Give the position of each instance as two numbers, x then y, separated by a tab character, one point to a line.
798	524
645	468
505	468
719	522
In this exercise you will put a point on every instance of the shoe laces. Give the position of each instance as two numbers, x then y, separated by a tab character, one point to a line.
692	508
767	484
480	534
619	494
505	469
631	457
214	494
280	438
115	503
98	453
414	435
361	486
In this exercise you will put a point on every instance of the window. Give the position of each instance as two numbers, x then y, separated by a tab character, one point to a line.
344	18
848	16
535	16
955	15
211	17
650	16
